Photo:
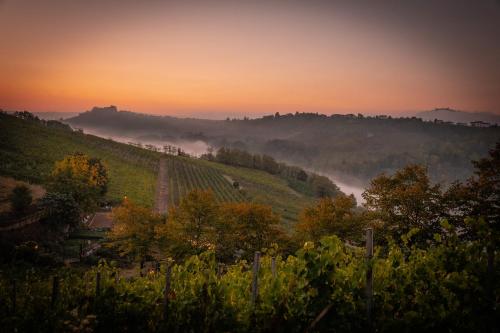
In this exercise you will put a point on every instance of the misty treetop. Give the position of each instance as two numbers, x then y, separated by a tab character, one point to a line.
298	179
355	146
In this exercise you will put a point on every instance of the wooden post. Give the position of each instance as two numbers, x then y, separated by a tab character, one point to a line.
97	284
369	274
490	282
273	267
14	296
168	276
81	252
255	280
220	268
55	291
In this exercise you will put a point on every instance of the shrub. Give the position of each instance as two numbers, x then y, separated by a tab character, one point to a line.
20	198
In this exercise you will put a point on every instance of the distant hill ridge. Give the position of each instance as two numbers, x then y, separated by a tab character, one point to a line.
456	116
349	147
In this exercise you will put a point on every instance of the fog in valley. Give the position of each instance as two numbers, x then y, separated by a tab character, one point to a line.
194	148
198	147
348	189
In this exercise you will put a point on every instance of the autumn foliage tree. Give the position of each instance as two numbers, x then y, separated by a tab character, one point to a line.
330	216
244	228
133	231
484	189
406	200
82	177
190	226
482	202
232	230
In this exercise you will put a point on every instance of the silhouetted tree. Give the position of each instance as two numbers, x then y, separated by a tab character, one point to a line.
20	199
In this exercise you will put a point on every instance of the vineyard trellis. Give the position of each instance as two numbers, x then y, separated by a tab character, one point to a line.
325	286
185	176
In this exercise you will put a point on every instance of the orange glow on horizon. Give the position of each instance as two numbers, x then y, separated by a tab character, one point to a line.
188	59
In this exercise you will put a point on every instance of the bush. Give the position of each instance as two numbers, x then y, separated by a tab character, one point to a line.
441	288
20	198
62	210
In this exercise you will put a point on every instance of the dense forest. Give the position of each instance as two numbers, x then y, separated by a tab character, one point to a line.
350	146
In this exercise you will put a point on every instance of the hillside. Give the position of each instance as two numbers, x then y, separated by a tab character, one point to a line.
28	150
345	146
447	114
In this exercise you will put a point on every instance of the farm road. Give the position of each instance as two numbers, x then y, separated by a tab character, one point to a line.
161	197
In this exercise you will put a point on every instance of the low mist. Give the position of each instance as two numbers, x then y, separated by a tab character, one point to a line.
195	148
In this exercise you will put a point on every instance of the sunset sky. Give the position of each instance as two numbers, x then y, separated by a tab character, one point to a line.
216	58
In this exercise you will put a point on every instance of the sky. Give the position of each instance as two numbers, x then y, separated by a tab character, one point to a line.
217	58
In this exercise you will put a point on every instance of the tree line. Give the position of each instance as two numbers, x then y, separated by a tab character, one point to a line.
316	185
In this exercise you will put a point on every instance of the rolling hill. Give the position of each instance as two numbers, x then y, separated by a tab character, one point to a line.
348	147
447	114
29	148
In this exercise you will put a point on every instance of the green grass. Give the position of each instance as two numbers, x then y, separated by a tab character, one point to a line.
28	151
257	186
185	174
262	187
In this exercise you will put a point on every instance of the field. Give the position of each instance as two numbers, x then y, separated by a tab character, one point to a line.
262	187
184	175
29	149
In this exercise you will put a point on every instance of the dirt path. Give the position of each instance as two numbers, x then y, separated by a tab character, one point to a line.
161	198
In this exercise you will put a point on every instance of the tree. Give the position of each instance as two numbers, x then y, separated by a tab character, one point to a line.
20	198
84	178
302	175
270	165
330	216
189	229
246	227
26	115
133	229
62	210
484	189
323	186
231	229
483	200
405	201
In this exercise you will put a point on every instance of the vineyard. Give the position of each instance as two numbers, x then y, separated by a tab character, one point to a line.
321	288
184	176
261	187
28	150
